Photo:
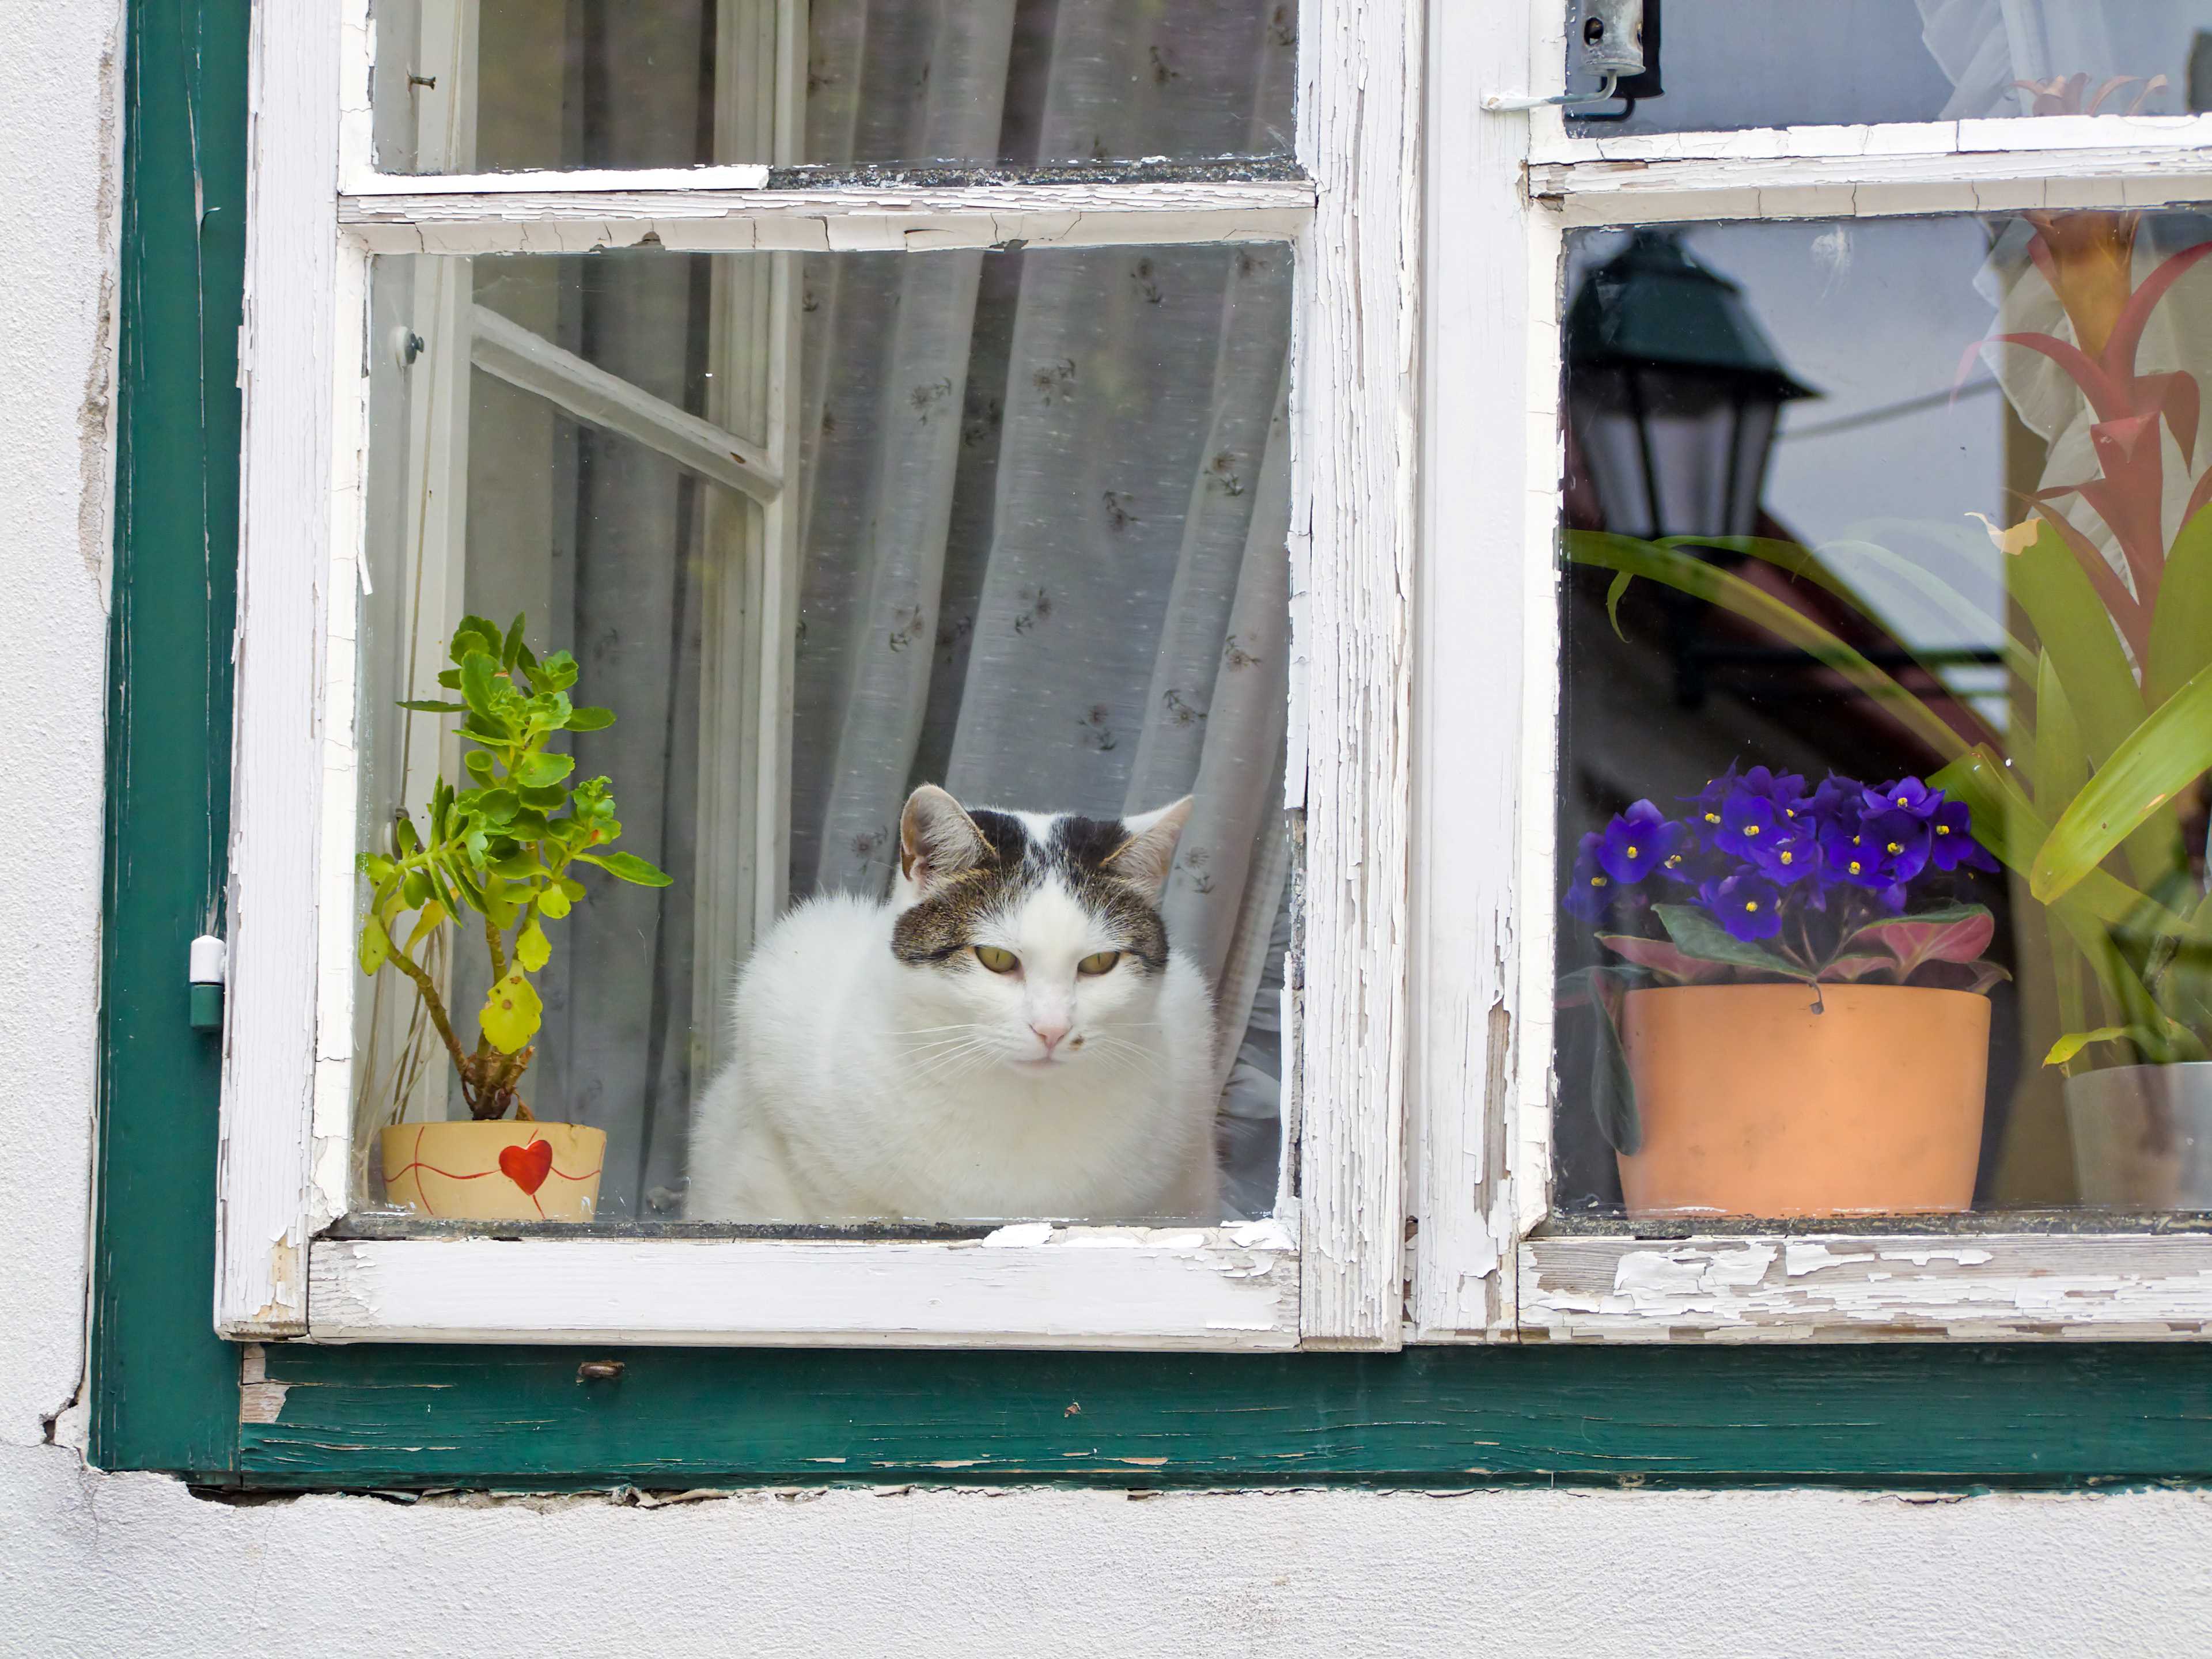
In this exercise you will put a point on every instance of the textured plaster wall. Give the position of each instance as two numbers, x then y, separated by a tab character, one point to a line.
101	1564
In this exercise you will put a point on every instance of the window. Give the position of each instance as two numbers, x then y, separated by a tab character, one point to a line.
1866	454
1038	425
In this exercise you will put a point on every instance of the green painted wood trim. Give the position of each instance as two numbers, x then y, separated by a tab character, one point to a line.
391	1417
164	1389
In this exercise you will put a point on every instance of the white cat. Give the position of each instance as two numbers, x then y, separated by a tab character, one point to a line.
1007	1035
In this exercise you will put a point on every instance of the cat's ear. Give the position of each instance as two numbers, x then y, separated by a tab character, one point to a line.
1145	858
937	838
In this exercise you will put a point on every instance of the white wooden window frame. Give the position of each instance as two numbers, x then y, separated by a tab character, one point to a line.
1503	190
1328	1272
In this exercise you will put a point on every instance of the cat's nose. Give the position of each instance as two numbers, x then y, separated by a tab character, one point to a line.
1049	1035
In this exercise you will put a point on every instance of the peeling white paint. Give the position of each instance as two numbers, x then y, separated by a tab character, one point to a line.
2010	1286
1017	1235
1803	1257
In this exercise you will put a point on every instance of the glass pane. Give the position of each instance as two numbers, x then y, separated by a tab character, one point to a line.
497	85
1871	620
820	533
1725	64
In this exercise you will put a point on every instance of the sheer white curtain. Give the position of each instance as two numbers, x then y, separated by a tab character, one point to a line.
1044	499
1987	46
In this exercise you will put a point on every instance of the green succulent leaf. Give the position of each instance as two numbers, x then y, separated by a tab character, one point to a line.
498	805
450	678
512	1013
511	649
547	798
554	903
474	634
433	915
588	719
477	670
629	867
541	770
415	890
375	944
532	948
426	706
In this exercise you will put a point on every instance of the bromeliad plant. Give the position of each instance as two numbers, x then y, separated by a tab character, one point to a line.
506	849
2120	663
1764	882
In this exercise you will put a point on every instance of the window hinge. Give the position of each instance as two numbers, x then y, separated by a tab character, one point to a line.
208	958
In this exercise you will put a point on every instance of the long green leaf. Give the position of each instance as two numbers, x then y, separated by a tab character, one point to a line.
2163	756
2181	627
1825	565
1612	1090
2014	831
2071	623
1704	581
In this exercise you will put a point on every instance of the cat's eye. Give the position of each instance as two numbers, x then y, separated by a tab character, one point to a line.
997	961
1098	962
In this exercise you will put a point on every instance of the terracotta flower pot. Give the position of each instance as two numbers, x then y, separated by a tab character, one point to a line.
1754	1104
2143	1136
495	1171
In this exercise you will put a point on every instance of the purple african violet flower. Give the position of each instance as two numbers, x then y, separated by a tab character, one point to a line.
1746	904
1784	789
1952	841
1705	805
1589	889
1904	795
1879	851
1749	822
1792	854
1636	843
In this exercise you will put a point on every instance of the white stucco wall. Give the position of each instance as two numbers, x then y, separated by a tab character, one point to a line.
103	1565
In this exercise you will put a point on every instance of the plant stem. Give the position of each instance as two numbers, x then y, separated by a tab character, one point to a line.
429	993
498	950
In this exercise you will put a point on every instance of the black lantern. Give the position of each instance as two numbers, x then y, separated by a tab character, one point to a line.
1674	392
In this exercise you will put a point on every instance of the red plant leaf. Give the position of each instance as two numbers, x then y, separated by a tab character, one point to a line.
1846	970
2198	496
2175	396
1661	956
1959	934
2105	395
526	1166
2135	316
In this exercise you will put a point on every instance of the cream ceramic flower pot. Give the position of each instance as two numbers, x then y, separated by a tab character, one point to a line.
495	1171
2143	1136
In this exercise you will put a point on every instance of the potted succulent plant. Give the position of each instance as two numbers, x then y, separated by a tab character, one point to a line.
1797	1024
507	851
2116	675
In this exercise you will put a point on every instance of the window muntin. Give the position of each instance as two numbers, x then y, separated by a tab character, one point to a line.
1813	397
1044	501
1726	64
677	83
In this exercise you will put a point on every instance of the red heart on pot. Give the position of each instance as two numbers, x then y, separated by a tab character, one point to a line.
525	1166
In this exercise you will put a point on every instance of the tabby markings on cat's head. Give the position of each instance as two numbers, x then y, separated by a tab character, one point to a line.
1045	923
964	867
